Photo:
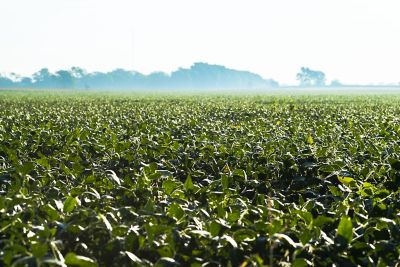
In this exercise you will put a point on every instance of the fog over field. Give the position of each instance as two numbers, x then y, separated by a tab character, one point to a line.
352	41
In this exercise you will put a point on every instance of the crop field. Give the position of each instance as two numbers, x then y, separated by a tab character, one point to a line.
141	180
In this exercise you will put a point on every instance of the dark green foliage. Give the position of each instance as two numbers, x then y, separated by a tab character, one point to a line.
185	181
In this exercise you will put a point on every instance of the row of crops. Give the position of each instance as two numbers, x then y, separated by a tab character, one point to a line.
131	180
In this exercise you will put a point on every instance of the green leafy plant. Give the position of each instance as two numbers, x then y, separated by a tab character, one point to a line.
140	180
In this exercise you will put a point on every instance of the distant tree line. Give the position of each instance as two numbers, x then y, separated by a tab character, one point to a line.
198	76
314	78
311	78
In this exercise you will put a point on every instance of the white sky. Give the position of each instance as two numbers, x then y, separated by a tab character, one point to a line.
355	41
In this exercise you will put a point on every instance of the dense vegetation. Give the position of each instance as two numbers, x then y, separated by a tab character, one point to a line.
199	181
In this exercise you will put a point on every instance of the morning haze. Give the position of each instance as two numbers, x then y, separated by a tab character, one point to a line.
353	41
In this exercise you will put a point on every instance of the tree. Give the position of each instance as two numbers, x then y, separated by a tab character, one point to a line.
42	75
77	72
5	82
65	79
308	77
44	79
26	82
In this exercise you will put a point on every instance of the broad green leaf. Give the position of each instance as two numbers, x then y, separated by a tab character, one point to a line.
79	261
155	176
43	162
301	263
188	185
345	229
240	173
244	235
322	220
215	228
348	181
51	212
39	249
70	203
27	167
176	211
169	186
310	140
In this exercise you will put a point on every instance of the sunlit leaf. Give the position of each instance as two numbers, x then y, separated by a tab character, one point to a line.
345	229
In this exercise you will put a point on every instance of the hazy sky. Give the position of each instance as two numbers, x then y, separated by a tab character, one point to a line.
350	40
